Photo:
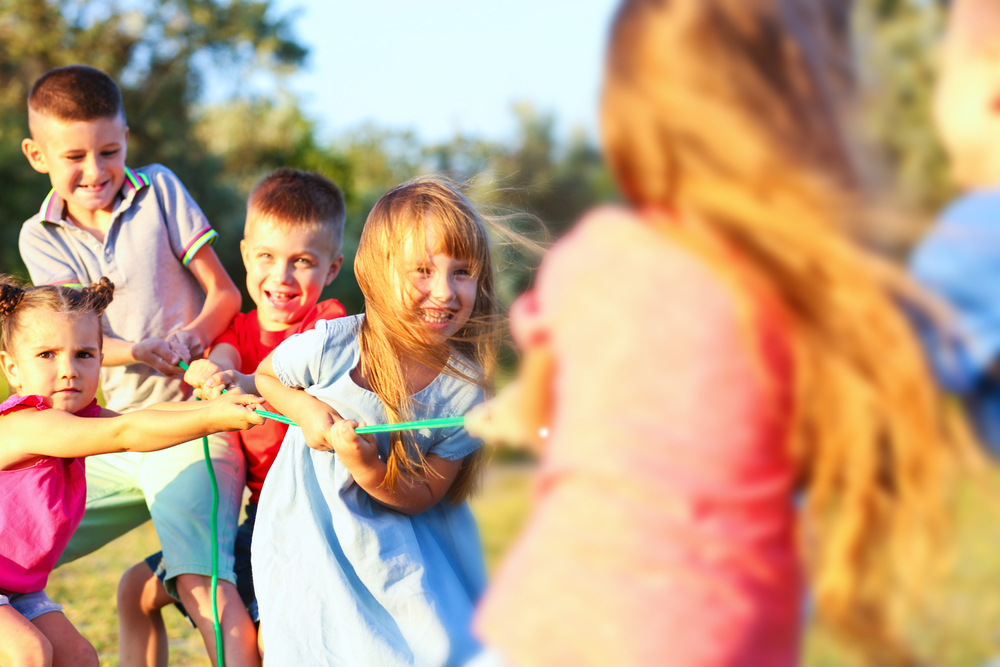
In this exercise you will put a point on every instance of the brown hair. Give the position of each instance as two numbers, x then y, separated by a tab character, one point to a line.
17	301
389	337
76	92
725	112
293	198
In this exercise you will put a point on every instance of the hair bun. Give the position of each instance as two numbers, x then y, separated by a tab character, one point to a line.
100	294
10	297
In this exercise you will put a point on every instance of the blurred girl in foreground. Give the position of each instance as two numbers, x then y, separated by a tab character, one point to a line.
746	412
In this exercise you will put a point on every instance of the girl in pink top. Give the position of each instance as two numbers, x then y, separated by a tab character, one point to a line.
50	349
735	406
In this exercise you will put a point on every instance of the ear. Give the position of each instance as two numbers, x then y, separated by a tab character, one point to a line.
10	370
338	262
36	158
245	254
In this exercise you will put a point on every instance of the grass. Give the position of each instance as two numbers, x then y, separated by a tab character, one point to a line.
961	628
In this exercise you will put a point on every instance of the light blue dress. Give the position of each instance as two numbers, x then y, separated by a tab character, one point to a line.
340	578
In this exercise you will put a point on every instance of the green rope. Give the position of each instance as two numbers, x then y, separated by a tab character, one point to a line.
381	428
219	653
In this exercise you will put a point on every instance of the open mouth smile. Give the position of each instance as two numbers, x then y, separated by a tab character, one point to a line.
437	317
281	300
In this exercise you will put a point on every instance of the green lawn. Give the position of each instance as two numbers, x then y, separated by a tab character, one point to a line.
961	629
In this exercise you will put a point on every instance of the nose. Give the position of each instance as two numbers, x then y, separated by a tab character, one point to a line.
91	168
67	368
281	271
443	287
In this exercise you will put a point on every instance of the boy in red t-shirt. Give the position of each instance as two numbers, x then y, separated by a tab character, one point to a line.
291	249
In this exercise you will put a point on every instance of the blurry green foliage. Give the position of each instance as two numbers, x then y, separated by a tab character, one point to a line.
163	52
897	43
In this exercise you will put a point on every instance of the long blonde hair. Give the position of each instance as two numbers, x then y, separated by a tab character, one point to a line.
392	336
727	112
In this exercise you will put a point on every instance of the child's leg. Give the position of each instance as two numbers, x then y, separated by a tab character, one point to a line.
142	635
177	486
69	648
239	636
23	643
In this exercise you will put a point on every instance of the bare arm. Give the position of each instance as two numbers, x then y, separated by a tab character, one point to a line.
155	352
222	302
313	416
413	494
30	433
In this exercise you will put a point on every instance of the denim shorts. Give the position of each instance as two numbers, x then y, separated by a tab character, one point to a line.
30	605
241	566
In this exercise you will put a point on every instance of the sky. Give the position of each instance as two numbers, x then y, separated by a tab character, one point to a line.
443	66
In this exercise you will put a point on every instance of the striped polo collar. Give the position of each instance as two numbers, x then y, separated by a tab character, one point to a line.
53	206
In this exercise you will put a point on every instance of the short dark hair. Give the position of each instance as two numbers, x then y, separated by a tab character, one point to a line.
76	92
294	198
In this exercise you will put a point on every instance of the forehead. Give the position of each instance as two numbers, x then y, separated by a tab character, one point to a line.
65	134
50	329
434	237
315	239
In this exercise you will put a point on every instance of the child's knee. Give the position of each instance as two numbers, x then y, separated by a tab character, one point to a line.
21	651
79	653
140	591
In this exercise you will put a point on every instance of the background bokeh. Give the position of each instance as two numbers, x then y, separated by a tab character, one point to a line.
224	91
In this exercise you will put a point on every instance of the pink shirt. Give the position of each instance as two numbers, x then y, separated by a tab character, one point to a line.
40	507
663	532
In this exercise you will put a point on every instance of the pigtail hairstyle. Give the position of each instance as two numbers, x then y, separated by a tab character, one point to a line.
17	300
392	339
11	296
726	112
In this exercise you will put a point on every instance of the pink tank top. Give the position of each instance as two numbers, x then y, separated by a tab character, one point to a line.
40	507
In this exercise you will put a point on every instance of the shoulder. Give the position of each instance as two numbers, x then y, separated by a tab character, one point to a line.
964	241
330	309
157	173
15	403
341	330
243	323
337	334
34	230
614	254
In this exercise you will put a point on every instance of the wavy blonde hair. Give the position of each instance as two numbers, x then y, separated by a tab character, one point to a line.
393	338
727	112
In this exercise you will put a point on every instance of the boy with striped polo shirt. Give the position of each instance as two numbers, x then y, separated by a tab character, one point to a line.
141	229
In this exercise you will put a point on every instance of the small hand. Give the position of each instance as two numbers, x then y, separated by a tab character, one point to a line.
186	344
199	371
235	411
503	420
317	426
355	451
225	381
157	353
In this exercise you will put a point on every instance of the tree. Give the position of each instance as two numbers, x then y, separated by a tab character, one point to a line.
152	49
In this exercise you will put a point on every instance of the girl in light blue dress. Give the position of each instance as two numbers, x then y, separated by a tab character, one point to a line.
365	551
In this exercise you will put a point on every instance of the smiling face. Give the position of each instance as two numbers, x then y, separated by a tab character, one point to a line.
85	160
58	357
287	269
442	289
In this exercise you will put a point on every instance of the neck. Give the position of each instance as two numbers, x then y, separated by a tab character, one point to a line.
96	223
